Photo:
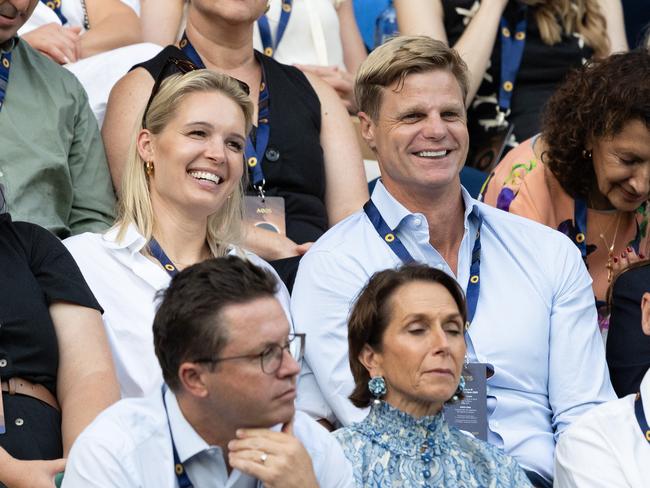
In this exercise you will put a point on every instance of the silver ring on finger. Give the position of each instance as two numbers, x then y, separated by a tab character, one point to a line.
263	457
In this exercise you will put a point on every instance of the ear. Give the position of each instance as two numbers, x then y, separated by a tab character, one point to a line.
144	144
645	313
192	379
367	127
371	360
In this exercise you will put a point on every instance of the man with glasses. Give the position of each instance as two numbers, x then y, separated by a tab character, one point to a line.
225	416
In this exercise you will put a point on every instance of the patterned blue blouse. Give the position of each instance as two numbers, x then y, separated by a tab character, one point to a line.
391	449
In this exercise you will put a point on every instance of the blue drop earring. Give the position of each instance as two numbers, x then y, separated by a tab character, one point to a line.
458	394
377	387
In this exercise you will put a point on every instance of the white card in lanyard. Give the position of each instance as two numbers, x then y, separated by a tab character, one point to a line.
470	414
265	213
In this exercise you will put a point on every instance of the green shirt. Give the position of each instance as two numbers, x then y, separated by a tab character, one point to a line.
52	161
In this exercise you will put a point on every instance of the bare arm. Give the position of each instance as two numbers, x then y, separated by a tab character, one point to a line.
474	46
354	52
112	24
161	20
86	382
346	189
28	474
612	10
125	105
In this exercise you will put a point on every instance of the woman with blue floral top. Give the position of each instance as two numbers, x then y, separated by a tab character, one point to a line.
407	346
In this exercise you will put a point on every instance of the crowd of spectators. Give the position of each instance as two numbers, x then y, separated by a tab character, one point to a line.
238	246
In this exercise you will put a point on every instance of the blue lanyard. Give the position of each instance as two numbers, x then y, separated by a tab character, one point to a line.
640	417
265	29
56	6
390	237
512	51
580	239
254	153
5	64
179	469
158	253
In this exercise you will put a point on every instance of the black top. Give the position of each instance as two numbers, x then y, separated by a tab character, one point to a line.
35	271
542	69
628	348
296	168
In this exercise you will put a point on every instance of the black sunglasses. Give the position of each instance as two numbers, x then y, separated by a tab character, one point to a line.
182	66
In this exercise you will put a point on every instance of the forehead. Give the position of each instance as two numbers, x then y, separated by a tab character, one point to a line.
254	323
431	89
210	106
422	298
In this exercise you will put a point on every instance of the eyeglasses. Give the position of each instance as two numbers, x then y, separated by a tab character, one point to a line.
271	357
183	66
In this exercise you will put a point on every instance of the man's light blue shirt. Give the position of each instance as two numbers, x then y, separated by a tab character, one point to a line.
535	320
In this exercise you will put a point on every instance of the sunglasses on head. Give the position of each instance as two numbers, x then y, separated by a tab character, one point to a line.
182	66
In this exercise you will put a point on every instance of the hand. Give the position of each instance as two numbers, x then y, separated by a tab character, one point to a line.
61	44
287	463
340	80
31	474
301	249
627	257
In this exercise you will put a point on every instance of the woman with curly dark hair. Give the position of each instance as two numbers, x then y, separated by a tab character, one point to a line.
588	173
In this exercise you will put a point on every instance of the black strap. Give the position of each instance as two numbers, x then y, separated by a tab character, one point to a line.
640	417
179	469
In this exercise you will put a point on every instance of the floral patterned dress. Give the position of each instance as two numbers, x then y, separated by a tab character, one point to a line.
522	185
391	449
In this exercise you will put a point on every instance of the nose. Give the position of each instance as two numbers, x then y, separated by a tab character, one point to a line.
439	342
434	127
215	150
640	181
289	366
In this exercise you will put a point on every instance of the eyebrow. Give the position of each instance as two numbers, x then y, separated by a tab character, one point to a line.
202	123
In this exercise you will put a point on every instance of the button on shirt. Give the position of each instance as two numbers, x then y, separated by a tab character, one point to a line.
535	321
129	445
125	283
606	447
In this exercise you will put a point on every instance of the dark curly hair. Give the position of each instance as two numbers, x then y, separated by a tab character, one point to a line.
373	310
594	101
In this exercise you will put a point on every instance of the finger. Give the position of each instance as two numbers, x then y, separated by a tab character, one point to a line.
272	444
56	465
254	455
632	256
56	54
251	468
288	427
75	29
303	248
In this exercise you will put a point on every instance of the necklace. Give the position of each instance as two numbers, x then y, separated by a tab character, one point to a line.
610	247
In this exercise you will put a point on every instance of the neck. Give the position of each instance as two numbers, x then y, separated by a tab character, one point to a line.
206	424
444	211
414	409
182	238
222	47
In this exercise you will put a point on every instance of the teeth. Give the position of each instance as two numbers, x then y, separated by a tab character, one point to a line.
204	175
432	154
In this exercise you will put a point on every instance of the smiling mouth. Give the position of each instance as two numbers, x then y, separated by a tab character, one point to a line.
205	176
433	154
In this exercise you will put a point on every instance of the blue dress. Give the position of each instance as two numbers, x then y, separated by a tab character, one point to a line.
391	449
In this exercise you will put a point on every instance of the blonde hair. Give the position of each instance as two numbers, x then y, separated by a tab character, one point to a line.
584	17
224	226
395	60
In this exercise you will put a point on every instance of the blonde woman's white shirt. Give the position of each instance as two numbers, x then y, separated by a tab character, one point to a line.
125	284
605	448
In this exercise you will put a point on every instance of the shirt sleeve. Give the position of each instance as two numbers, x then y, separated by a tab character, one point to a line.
583	459
54	268
325	288
93	202
578	375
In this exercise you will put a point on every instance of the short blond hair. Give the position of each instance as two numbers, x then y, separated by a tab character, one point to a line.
224	226
398	58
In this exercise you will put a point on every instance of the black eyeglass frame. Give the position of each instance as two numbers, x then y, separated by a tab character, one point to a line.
183	66
266	352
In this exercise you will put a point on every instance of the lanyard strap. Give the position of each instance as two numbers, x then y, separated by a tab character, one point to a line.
265	29
179	469
512	50
253	152
390	237
5	64
580	219
56	6
640	417
158	253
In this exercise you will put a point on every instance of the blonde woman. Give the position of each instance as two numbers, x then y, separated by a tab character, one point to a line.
181	203
548	38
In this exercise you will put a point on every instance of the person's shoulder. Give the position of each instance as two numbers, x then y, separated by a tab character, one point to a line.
39	65
81	244
608	416
344	236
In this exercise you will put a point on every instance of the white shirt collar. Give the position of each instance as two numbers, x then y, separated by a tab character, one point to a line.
394	212
645	394
132	240
188	442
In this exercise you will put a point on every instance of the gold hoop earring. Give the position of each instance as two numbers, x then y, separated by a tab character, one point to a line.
268	7
148	168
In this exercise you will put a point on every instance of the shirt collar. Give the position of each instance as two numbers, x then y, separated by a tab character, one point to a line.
132	239
9	45
188	442
394	212
645	394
